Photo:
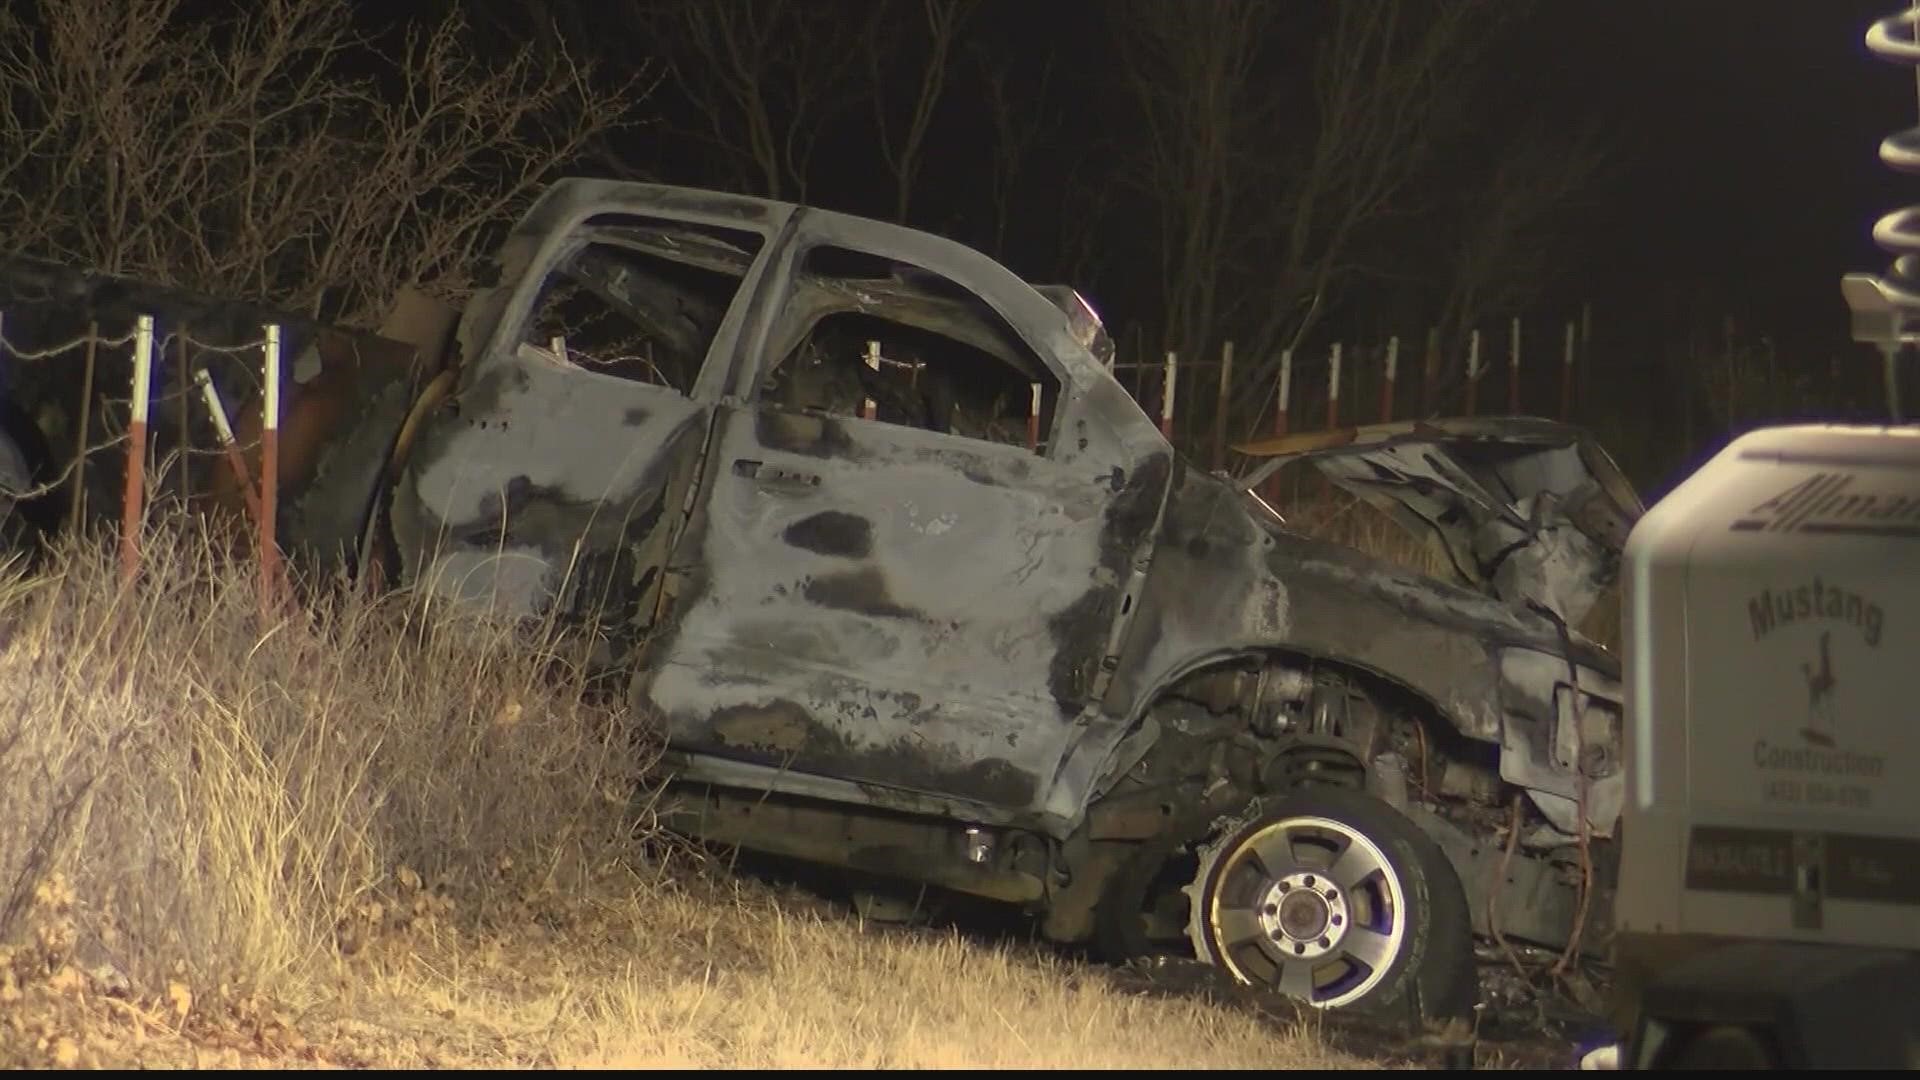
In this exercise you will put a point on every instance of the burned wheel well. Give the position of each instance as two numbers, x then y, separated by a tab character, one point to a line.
40	516
1296	705
1256	724
1264	724
1300	719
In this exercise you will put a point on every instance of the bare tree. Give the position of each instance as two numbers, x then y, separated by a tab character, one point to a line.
1501	256
260	156
943	20
1018	127
1085	203
764	76
1276	193
1389	91
1191	67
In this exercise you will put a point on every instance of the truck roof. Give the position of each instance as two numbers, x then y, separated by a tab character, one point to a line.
1833	444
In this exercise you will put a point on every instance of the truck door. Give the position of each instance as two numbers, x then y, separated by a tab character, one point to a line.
553	482
887	585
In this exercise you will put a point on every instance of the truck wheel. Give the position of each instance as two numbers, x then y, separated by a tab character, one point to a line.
1336	899
1724	1046
16	479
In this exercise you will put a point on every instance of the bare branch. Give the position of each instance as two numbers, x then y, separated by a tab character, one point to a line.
1190	66
1017	130
763	76
253	156
1502	256
1388	94
943	21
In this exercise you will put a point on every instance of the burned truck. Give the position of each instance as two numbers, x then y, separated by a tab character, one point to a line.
915	590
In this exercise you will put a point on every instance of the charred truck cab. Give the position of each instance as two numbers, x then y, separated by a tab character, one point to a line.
776	464
914	590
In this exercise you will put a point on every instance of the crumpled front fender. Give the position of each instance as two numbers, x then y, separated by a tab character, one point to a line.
1561	737
1222	585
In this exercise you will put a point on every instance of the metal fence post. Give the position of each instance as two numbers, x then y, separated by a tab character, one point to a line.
1220	410
1386	387
1566	377
1513	370
133	490
1473	372
1166	395
1333	388
270	477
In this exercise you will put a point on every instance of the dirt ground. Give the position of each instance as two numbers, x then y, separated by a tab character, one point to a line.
687	974
705	973
1547	1034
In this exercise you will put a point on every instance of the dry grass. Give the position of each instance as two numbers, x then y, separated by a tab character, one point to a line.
225	796
665	975
381	834
701	975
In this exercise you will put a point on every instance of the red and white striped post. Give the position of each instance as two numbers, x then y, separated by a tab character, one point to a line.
1222	405
1429	370
1033	419
183	415
869	408
78	508
1473	371
1286	392
1393	371
133	494
1586	347
270	476
1333	388
223	431
1284	399
1566	376
1166	396
1513	370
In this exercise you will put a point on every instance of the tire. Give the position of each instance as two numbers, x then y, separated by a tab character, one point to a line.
32	521
1723	1046
1333	897
1120	928
16	479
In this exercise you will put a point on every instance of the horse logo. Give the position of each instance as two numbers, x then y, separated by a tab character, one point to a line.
1820	684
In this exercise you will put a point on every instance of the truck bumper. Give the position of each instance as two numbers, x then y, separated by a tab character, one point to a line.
1695	1001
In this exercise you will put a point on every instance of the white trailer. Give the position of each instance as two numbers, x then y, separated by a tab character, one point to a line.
1769	898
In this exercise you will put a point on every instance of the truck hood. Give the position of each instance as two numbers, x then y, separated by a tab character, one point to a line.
1531	511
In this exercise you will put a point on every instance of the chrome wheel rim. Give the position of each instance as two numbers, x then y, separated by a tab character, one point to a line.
1305	905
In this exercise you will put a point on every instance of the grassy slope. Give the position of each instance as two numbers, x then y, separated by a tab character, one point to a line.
375	834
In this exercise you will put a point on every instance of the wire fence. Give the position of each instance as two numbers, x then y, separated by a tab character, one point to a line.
172	421
1206	406
147	411
1657	394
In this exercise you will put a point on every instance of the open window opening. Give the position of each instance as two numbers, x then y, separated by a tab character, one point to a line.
640	298
872	338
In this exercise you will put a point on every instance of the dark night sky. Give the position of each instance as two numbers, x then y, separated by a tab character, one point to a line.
1747	133
1752	132
1747	181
